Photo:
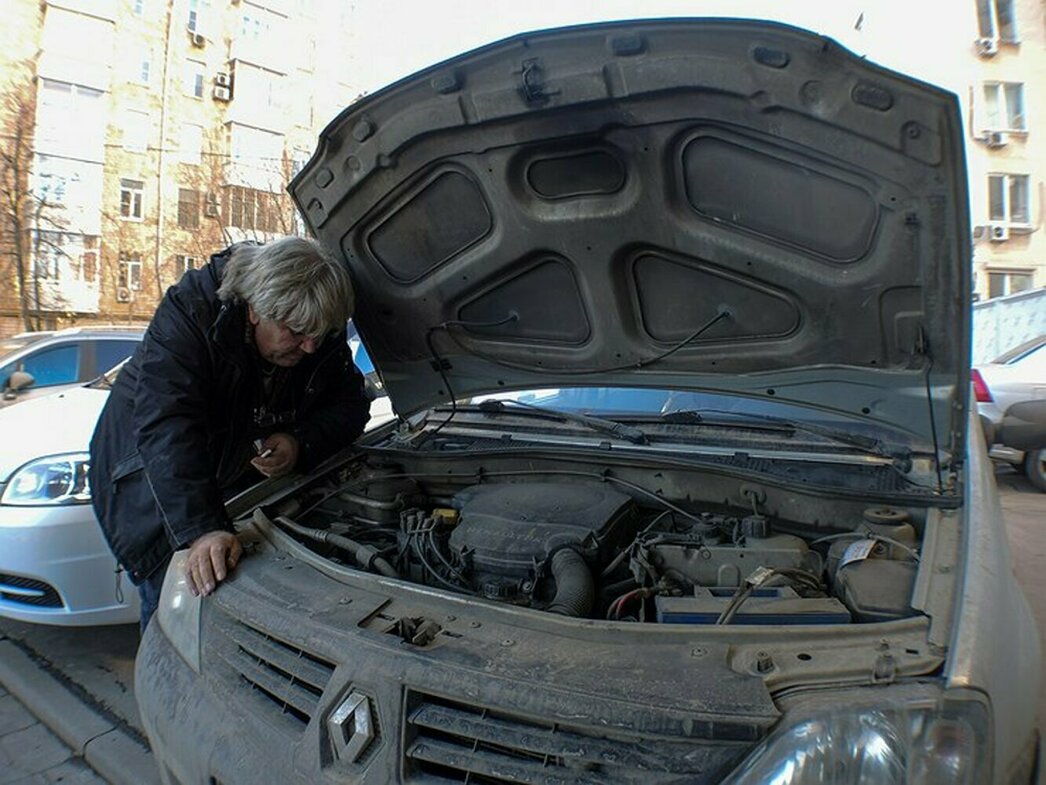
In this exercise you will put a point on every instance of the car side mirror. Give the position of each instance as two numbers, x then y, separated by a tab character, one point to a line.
19	381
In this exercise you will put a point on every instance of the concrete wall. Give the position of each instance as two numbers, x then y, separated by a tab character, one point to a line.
1004	322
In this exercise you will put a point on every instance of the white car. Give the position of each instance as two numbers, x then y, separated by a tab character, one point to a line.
55	566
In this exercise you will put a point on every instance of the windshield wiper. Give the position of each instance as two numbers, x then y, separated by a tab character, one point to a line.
610	427
867	444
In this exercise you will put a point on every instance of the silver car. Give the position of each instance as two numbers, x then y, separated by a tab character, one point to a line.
1011	400
41	363
686	484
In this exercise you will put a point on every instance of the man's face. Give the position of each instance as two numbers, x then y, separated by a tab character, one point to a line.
278	344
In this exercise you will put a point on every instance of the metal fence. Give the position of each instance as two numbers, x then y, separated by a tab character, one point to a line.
1003	322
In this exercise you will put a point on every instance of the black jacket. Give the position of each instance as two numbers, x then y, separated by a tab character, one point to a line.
176	433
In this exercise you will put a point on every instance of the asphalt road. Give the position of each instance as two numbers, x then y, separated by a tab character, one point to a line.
98	663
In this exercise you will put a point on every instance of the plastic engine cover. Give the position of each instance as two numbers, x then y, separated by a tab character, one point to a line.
507	528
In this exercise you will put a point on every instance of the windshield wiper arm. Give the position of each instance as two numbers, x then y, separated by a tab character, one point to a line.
627	432
865	443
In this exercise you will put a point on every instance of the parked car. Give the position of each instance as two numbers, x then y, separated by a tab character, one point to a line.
675	315
55	566
40	363
1011	401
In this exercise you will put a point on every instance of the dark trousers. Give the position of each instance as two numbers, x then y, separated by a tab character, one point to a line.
149	592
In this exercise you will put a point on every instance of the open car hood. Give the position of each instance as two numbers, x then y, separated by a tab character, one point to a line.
722	205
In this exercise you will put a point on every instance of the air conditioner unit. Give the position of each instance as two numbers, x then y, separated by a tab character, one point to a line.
997	138
999	231
222	94
197	39
222	79
986	47
123	294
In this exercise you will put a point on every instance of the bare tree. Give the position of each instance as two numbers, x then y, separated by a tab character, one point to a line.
28	220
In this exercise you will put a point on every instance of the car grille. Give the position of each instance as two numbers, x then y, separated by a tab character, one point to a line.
27	591
285	681
452	742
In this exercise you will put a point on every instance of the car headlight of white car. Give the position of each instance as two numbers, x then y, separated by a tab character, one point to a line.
54	480
877	736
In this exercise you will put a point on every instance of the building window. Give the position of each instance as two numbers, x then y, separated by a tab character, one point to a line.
142	71
1004	106
249	208
194	78
129	274
191	144
996	19
138	7
48	254
131	195
89	266
195	19
183	264
1002	283
1008	198
188	208
136	131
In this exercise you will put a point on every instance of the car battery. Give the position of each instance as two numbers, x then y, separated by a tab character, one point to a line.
766	605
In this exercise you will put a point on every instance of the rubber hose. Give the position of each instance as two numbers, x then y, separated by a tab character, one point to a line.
364	555
575	589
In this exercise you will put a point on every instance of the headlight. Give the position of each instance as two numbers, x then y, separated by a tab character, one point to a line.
884	736
178	613
57	479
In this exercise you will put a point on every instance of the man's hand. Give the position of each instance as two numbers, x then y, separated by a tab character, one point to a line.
282	449
210	558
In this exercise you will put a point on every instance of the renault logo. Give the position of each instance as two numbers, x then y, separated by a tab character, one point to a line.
351	727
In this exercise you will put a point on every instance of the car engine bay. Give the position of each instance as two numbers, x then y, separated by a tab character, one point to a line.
591	544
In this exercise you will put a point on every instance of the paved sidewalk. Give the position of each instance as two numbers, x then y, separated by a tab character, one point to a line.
31	754
65	737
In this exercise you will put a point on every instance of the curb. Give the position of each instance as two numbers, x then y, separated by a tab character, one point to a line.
109	749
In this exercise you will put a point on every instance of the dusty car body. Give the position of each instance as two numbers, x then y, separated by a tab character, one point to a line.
684	486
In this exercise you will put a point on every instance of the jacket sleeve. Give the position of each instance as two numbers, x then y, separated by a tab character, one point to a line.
175	381
339	412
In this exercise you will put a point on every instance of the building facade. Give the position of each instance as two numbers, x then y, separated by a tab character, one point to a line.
1006	147
169	136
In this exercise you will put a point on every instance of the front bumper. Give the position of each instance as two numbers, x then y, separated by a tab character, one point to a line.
56	568
568	707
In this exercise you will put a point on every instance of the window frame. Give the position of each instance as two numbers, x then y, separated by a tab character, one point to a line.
988	22
129	272
188	215
1002	104
1007	275
135	199
1008	179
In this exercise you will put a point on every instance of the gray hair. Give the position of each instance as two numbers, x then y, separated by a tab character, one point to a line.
291	281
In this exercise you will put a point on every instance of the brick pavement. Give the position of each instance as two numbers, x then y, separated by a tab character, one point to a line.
31	755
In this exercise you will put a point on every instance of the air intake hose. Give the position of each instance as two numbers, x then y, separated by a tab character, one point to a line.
575	589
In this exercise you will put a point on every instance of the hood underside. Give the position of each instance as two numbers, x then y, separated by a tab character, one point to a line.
722	205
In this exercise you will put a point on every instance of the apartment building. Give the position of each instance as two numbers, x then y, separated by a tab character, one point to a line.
1006	148
161	131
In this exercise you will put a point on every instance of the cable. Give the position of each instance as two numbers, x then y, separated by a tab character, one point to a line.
723	313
